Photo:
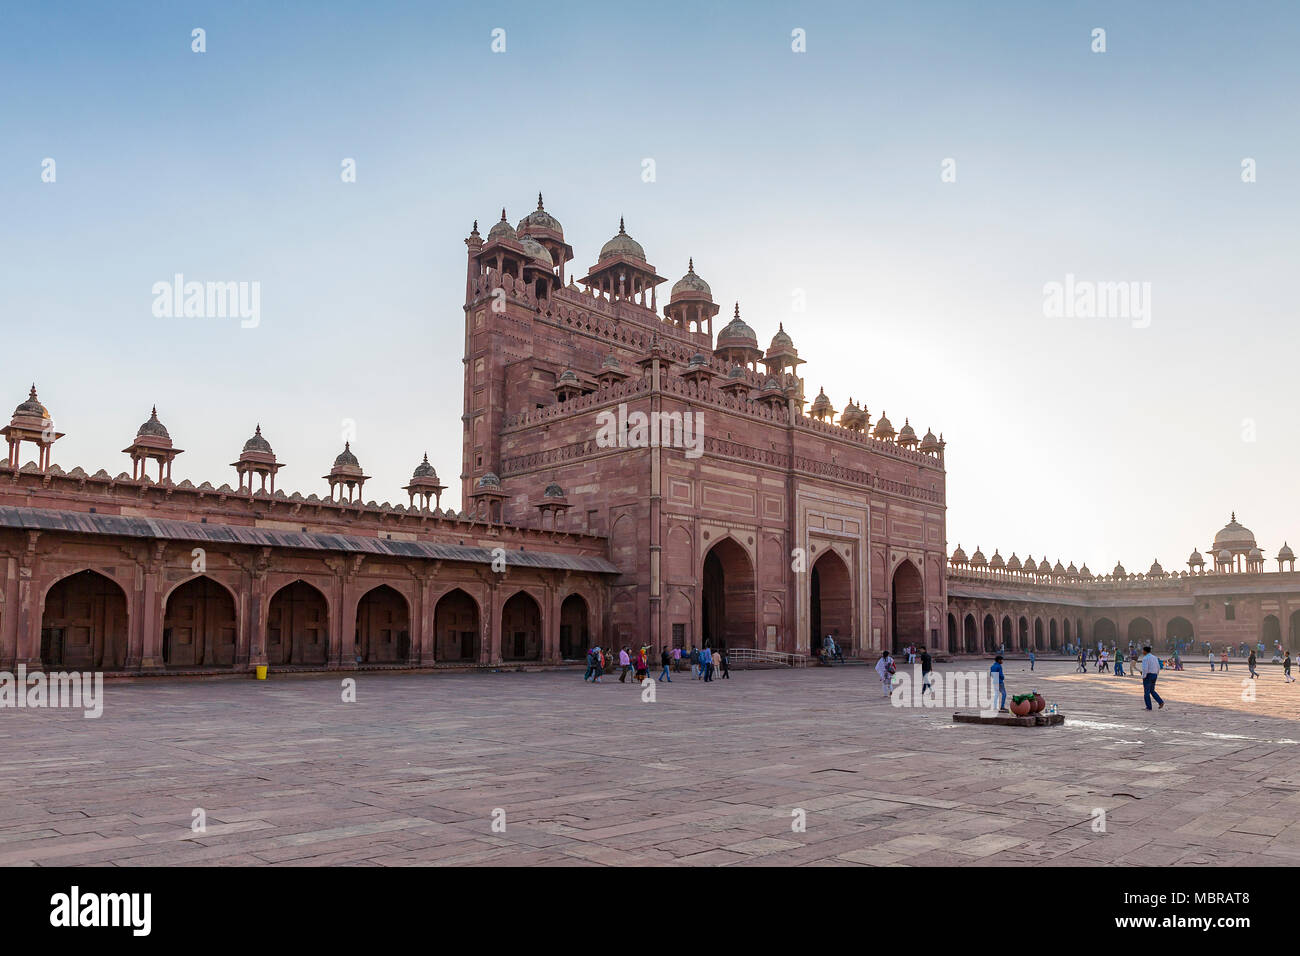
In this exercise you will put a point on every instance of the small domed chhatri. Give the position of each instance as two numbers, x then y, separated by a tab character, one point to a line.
821	407
257	458
535	250
884	430
958	557
31	422
1013	562
424	485
977	560
996	563
929	444
907	436
1285	556
152	443
346	474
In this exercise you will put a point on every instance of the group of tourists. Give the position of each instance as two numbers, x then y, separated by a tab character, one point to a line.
705	662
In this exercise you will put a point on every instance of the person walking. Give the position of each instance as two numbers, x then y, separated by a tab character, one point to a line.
665	658
885	670
1223	660
1250	662
1103	662
625	662
1150	671
1214	659
706	664
1119	662
726	664
598	663
828	647
695	662
677	660
591	664
927	670
1082	668
996	672
1031	659
1286	668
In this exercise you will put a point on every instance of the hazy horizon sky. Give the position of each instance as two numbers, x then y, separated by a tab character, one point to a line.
1084	439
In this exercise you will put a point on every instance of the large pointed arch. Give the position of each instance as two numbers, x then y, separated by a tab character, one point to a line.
457	628
575	627
831	602
907	607
297	626
521	628
383	634
200	625
728	596
84	623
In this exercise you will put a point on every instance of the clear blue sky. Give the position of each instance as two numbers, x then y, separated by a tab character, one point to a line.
1086	439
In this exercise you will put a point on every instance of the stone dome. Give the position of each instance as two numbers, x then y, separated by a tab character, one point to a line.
997	564
737	372
1072	570
553	491
153	428
1013	563
822	404
1057	568
622	245
1234	537
1031	566
1255	555
32	407
1084	572
569	375
611	361
1286	554
958	556
258	443
1195	559
536	250
502	230
1119	571
1155	571
424	469
699	360
489	480
1044	567
771	383
781	340
977	560
1225	556
908	433
688	285
929	443
539	218
346	459
883	429
736	334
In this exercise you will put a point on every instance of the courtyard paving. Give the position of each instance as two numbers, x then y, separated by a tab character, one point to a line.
419	767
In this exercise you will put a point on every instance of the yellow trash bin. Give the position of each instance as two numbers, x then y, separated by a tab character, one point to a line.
261	671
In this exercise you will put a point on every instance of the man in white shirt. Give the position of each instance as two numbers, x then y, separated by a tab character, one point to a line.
1150	671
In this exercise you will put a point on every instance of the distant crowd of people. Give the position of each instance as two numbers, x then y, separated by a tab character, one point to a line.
705	662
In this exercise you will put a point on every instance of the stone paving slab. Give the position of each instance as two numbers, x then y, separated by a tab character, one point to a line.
420	768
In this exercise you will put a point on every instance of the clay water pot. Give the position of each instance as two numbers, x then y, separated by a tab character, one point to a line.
1021	708
1039	704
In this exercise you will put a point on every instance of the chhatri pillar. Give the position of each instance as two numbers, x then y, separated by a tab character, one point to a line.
152	442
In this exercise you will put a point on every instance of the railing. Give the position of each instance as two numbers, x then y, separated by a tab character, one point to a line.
749	655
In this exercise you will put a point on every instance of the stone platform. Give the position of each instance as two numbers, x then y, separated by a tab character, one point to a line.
1011	720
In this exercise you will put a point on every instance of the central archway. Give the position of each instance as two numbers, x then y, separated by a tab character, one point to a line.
1103	631
383	627
521	629
831	602
84	624
727	604
199	625
456	628
297	626
907	608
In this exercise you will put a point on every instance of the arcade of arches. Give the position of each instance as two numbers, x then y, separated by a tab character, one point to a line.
87	621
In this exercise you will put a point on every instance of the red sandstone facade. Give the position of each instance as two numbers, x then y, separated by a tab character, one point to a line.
781	526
